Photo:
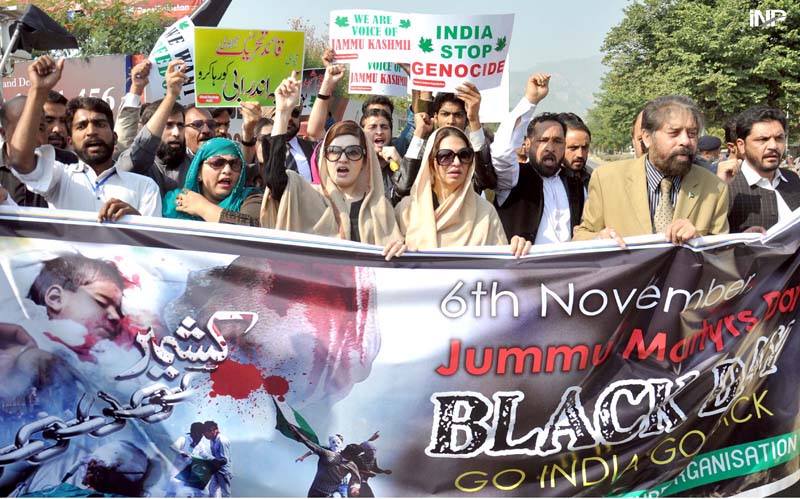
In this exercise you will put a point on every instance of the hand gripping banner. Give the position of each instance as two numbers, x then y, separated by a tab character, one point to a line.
163	358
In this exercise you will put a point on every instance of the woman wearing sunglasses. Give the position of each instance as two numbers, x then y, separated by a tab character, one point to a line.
214	190
443	209
349	202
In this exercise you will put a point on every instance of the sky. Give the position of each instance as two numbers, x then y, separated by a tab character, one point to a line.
544	31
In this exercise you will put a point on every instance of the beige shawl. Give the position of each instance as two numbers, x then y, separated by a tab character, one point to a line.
463	219
323	210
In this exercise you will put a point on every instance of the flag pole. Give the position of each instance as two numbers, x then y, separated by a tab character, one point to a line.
6	55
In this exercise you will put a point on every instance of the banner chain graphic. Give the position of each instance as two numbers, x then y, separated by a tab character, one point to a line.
150	404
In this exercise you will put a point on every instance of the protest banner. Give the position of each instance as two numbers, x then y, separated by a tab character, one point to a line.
371	35
109	75
378	78
449	50
312	81
177	42
235	65
494	101
583	369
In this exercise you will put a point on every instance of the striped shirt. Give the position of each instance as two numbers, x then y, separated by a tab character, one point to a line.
654	177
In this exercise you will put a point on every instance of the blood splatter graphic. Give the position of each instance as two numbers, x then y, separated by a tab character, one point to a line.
235	380
239	381
276	385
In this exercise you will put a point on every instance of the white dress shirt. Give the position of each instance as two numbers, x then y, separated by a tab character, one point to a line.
508	138
78	187
753	178
303	167
554	227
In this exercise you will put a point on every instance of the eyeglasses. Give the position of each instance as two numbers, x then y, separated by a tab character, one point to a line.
219	162
353	153
198	124
445	157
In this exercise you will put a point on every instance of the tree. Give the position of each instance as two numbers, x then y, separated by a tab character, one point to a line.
705	49
105	27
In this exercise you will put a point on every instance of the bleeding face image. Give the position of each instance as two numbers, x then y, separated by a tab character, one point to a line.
316	323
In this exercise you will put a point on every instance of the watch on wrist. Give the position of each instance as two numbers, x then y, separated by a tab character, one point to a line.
323	96
249	143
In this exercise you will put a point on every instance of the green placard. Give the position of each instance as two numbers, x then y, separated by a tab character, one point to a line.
236	65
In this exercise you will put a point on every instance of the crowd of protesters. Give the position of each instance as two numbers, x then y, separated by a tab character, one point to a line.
443	181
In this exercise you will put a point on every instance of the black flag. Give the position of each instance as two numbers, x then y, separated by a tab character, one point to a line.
38	31
210	12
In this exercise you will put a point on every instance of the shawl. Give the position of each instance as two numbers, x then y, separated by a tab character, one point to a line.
323	210
462	219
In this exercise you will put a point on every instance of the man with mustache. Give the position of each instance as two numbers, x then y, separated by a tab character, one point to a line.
574	168
762	194
159	149
91	184
662	191
199	128
533	199
55	111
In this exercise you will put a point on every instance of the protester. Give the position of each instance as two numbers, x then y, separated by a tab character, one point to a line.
55	111
533	200
763	194
10	113
661	192
349	203
222	115
128	122
92	184
575	170
200	127
443	210
214	189
159	149
639	148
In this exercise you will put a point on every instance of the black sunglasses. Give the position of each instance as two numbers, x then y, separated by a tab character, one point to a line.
445	157
353	153
219	162
198	124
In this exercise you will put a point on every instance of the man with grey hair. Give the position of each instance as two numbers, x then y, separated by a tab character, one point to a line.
662	191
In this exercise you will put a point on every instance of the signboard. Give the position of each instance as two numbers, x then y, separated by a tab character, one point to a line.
378	78
371	35
235	65
451	51
109	74
177	42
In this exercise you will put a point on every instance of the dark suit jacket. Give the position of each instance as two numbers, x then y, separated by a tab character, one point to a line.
758	207
308	149
522	211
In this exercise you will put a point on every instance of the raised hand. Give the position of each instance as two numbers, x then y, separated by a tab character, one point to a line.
175	77
537	87
140	76
423	124
471	96
286	95
45	73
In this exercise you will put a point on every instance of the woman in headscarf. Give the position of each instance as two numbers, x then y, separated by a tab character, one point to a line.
215	190
443	209
349	203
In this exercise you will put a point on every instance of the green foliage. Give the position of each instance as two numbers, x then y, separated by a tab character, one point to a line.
426	44
705	49
105	27
315	46
501	44
405	23
342	21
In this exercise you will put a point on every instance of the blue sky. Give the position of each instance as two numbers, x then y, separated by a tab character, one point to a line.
544	31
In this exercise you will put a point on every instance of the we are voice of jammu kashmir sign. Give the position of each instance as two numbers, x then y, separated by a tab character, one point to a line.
443	51
583	369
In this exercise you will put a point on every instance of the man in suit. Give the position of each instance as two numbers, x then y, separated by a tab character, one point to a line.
534	200
662	191
762	194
